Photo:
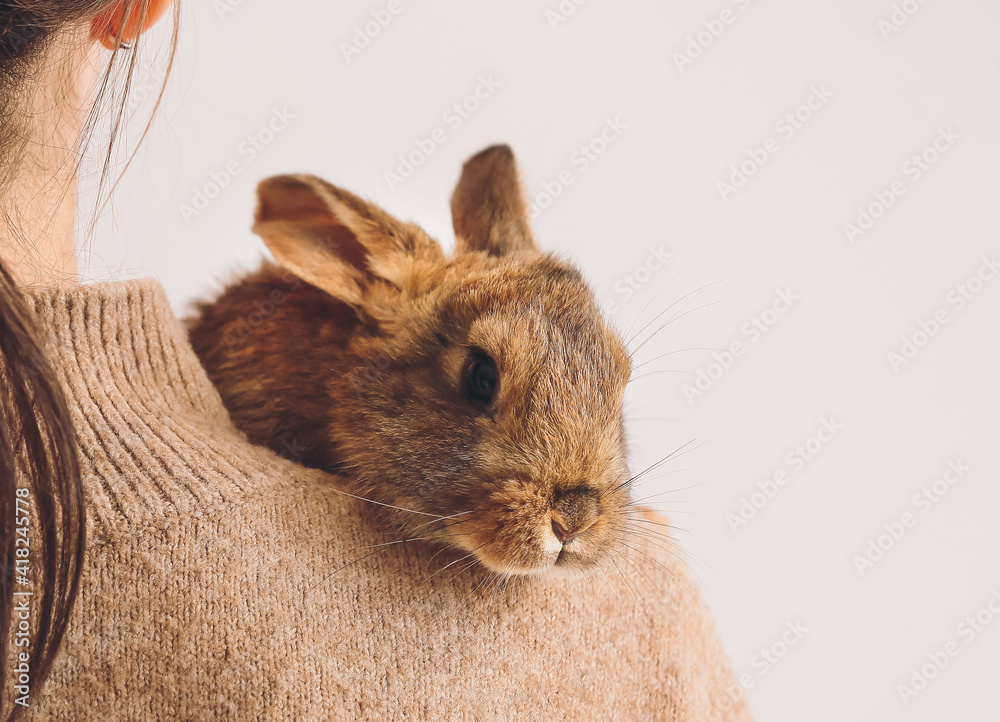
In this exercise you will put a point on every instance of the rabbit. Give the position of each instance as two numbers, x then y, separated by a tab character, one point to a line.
476	398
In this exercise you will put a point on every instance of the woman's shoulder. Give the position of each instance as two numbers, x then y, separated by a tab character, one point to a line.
296	598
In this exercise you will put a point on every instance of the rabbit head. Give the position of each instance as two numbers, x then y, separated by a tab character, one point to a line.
481	394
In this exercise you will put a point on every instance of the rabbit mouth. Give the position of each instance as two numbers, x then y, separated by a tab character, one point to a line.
517	562
527	550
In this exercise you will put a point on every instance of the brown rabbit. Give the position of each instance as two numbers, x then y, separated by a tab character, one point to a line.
480	395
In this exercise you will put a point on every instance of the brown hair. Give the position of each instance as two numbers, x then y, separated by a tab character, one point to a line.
37	440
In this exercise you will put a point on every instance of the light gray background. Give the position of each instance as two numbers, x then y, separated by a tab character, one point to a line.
655	187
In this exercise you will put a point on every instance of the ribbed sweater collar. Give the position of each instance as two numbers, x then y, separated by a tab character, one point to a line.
155	440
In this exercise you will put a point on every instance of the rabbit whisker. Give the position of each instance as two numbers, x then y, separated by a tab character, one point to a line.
650	468
680	350
652	298
391	506
673	318
632	337
398	541
661	371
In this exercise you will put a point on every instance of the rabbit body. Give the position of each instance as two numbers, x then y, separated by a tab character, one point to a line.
479	396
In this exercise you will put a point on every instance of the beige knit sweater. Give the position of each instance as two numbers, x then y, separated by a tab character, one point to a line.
225	582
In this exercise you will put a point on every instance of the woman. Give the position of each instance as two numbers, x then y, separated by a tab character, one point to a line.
175	571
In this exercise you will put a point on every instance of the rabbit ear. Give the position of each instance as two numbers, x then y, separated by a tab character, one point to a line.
488	207
338	242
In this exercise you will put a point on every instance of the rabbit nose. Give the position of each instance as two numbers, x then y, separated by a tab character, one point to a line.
566	532
573	512
562	533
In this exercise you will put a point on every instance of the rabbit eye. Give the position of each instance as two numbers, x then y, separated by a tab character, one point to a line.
480	377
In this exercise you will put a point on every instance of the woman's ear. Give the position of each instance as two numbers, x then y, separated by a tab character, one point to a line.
125	21
336	241
488	208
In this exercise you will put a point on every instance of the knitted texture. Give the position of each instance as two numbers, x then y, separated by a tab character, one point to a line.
225	582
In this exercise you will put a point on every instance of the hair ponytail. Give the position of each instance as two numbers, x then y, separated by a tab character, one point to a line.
41	497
